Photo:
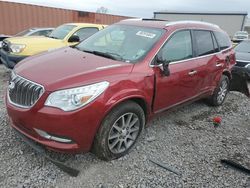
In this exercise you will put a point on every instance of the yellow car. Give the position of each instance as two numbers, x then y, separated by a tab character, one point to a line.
17	48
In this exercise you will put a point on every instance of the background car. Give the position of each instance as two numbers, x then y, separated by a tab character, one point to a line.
17	48
28	32
243	58
2	37
240	36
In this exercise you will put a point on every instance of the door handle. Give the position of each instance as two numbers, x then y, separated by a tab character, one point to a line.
192	72
218	64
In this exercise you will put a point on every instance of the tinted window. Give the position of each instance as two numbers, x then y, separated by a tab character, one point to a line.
223	40
216	46
179	47
204	42
86	32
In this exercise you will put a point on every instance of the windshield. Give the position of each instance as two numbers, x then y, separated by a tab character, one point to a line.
61	32
22	33
241	33
243	47
122	42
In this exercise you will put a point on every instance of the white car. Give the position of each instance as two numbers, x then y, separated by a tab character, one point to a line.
240	36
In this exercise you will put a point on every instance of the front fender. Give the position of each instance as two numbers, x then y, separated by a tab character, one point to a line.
137	87
126	95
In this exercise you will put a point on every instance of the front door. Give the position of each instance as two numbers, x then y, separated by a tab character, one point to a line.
182	83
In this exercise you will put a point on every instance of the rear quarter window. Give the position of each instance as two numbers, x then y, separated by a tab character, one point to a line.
222	39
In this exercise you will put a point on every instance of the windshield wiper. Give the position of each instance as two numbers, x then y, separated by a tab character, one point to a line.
105	54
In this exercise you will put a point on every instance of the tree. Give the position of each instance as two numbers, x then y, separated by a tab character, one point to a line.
102	10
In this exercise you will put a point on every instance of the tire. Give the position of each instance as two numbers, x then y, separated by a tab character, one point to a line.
116	137
220	93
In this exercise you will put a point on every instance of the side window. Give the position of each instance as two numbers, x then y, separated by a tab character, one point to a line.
223	40
179	47
46	32
41	33
37	33
204	42
216	47
85	32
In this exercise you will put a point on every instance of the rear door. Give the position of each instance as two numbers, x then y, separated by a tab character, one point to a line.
211	63
182	84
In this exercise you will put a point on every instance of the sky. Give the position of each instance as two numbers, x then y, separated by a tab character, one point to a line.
145	8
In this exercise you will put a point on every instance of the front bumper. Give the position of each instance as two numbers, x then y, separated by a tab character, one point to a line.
79	126
10	60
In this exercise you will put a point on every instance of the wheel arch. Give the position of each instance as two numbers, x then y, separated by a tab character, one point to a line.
137	99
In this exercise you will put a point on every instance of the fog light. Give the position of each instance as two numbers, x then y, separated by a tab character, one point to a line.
52	137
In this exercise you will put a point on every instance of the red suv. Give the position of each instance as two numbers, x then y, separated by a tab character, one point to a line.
99	94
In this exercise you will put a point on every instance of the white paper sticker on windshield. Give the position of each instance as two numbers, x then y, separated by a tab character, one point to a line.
145	34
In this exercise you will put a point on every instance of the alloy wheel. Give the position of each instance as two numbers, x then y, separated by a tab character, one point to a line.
123	133
222	91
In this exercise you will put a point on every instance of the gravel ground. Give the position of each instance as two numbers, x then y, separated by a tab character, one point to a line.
183	139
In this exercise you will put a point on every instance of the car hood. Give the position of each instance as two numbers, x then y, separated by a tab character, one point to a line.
242	56
68	67
36	44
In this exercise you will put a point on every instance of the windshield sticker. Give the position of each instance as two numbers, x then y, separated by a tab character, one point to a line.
146	34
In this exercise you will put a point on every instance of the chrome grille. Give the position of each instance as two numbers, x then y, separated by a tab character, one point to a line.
22	92
5	46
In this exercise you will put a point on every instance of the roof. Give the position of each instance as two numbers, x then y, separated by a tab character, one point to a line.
144	22
243	13
164	23
190	22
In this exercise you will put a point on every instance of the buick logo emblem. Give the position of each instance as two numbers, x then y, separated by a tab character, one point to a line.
11	85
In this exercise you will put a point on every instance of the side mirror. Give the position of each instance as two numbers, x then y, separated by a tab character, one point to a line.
166	70
164	64
74	38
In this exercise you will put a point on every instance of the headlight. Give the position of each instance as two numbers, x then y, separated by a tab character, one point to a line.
1	44
17	48
72	99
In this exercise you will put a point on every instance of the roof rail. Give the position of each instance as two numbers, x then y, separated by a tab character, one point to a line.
192	22
133	19
153	19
